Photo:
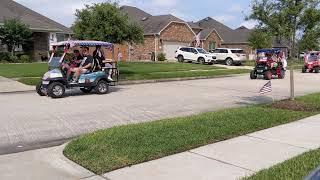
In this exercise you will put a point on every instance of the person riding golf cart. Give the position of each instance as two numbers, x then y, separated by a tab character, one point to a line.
88	76
269	63
311	62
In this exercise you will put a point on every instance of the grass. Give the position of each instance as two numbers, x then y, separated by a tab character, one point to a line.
30	73
23	70
294	169
117	147
30	81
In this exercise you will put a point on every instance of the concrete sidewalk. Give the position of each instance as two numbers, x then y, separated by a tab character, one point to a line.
9	85
231	159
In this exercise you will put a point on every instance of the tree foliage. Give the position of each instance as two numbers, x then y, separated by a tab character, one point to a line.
14	33
260	39
105	22
286	18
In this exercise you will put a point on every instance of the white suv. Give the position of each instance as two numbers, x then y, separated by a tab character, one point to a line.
229	56
191	54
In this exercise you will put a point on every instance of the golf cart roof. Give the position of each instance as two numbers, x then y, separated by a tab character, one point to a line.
271	51
72	43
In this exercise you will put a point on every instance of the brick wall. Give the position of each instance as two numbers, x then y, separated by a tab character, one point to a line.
143	51
243	46
213	37
177	32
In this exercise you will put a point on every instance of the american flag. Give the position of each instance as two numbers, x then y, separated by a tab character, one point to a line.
266	88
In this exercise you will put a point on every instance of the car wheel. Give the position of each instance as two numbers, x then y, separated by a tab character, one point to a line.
316	69
253	75
229	62
102	87
40	90
86	90
201	61
268	75
180	58
304	69
56	90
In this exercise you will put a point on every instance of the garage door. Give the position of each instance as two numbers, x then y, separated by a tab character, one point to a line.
169	48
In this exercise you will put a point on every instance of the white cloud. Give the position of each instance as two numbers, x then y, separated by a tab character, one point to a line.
225	18
249	24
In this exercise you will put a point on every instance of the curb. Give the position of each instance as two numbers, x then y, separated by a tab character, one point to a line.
173	79
134	82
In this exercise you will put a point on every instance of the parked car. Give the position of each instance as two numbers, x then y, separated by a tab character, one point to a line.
229	56
191	54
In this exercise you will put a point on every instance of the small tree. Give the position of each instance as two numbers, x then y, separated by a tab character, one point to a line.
105	22
14	33
260	39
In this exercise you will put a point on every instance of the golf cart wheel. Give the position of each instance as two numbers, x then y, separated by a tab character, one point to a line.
180	58
316	69
40	89
102	87
56	90
253	75
202	61
268	75
229	62
304	69
86	90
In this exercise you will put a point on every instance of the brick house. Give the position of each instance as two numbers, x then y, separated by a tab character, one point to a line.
234	38
44	29
162	34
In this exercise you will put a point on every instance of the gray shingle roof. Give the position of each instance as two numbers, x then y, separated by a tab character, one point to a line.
151	24
194	25
224	31
37	22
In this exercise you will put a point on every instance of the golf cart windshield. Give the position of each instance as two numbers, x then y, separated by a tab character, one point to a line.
313	57
54	62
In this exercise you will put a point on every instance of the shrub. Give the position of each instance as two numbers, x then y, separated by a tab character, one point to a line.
4	56
14	59
161	57
25	59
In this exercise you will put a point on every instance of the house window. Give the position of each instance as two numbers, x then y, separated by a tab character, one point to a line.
212	45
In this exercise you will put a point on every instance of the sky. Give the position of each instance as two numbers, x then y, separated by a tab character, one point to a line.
230	12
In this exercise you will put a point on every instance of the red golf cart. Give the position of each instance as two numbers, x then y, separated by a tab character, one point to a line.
311	62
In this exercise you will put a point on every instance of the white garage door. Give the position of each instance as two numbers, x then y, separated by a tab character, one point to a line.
169	48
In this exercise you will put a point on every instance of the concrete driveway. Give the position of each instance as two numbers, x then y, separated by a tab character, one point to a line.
29	121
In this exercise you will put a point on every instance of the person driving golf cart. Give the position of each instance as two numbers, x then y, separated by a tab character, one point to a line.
268	64
87	77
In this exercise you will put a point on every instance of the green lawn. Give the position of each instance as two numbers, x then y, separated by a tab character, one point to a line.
31	73
294	169
23	70
117	147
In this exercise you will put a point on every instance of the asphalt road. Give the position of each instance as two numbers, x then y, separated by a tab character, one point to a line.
29	121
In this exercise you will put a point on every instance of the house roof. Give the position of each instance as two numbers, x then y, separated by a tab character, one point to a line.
151	24
194	25
224	31
37	22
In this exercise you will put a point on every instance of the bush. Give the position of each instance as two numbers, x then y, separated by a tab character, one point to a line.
14	59
25	59
161	57
4	56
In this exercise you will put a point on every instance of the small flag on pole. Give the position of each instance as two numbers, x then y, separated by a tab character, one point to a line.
266	88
